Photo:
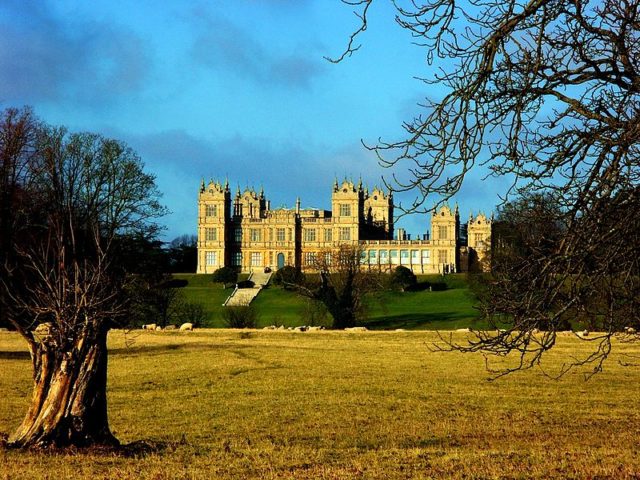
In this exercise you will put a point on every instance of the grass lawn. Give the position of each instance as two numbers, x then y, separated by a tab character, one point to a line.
200	289
448	309
445	310
335	405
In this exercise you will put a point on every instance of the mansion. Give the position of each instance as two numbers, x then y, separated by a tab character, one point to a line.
242	231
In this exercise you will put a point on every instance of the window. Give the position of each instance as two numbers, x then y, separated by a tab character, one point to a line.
211	210
415	256
290	235
345	233
479	238
442	232
254	234
237	234
426	254
393	254
345	210
363	257
328	258
309	258
327	235
211	234
384	256
280	234
404	256
309	234
211	258
256	259
236	259
442	256
373	254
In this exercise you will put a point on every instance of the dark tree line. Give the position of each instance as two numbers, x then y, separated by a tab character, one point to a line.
544	93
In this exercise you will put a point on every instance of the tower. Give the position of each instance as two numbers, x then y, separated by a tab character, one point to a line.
214	210
479	241
378	207
347	204
445	225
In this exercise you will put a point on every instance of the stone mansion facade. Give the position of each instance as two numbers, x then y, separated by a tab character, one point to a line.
242	231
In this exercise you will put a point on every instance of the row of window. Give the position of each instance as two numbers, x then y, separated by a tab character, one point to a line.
211	259
212	210
413	257
310	234
255	234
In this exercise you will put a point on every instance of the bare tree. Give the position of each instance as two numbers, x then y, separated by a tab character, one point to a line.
342	284
545	93
65	289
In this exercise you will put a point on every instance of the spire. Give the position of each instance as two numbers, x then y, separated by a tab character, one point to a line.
261	191
238	191
360	183
298	205
226	183
335	183
202	185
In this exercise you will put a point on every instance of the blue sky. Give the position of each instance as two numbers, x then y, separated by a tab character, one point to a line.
235	88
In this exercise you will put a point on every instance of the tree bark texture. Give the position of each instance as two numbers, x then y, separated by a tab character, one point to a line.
69	402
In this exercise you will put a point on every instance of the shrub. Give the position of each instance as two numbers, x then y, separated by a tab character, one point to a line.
225	275
313	313
438	286
288	275
240	317
402	278
188	312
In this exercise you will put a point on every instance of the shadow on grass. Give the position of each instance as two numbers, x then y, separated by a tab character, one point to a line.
416	321
143	350
137	449
160	349
15	355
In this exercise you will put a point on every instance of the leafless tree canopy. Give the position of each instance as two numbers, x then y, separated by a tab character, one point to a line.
341	286
545	93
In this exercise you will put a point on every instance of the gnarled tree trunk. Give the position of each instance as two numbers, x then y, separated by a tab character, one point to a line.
69	402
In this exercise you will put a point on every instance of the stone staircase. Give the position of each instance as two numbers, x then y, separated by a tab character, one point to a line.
244	296
260	278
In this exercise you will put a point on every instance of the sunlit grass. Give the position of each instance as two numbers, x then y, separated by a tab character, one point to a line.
449	309
339	405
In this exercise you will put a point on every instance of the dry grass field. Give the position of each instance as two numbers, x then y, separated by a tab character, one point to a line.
263	404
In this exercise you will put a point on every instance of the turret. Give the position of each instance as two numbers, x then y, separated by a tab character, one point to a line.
347	203
479	231
379	212
214	210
